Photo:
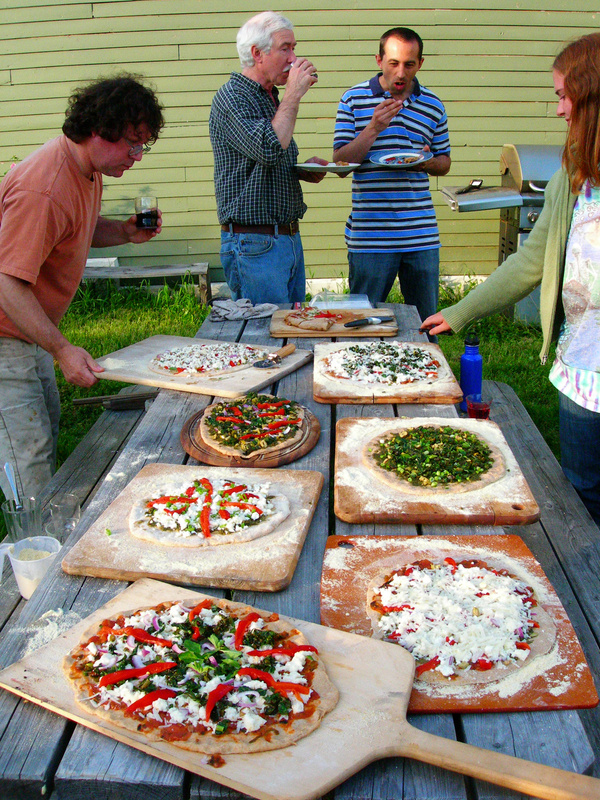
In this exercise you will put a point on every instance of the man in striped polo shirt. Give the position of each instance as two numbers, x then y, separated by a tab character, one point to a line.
392	230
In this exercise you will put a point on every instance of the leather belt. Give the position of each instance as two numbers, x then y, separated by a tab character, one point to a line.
289	229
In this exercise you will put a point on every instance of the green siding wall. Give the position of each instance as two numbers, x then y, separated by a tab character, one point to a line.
491	67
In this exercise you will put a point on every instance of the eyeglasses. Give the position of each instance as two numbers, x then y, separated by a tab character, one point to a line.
136	149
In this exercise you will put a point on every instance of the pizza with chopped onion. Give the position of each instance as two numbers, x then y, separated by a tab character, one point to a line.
462	621
252	425
210	676
206	359
206	512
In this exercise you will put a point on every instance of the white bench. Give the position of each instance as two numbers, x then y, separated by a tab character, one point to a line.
110	269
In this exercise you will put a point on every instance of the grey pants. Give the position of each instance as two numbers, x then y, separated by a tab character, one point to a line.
29	415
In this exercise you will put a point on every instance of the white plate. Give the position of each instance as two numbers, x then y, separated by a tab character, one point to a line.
395	159
338	169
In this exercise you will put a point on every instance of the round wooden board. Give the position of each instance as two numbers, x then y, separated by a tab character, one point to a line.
194	445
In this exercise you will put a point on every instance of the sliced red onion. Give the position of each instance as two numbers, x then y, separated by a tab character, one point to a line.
494	622
130	642
155	623
213	661
176	649
110	663
137	661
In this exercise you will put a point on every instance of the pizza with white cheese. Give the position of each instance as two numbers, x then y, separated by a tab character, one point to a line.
252	425
196	360
462	621
206	512
383	363
210	676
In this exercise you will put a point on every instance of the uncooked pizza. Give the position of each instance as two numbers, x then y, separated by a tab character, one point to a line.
382	363
251	425
197	360
462	621
312	319
438	458
206	512
211	677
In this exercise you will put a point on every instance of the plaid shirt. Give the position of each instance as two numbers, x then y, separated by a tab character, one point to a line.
255	179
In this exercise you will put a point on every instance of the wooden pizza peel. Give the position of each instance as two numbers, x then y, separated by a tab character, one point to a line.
368	723
130	364
560	679
108	550
329	389
361	496
279	328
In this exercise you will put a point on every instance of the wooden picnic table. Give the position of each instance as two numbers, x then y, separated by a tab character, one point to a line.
44	754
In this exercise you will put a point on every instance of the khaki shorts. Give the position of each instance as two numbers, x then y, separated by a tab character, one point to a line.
29	415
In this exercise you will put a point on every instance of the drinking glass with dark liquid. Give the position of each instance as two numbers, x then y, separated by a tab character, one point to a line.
146	212
478	407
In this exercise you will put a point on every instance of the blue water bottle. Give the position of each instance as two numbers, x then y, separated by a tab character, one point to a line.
471	369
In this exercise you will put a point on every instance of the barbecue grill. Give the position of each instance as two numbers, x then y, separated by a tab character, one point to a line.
525	170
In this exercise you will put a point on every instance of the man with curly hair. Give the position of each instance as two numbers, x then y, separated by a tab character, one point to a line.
49	219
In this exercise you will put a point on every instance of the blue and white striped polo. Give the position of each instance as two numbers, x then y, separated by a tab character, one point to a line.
392	209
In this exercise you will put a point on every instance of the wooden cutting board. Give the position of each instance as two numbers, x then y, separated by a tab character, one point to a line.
361	496
279	329
193	443
266	564
131	365
368	723
328	389
559	679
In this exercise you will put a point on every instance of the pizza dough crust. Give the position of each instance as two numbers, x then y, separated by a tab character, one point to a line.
540	645
270	737
495	473
227	450
139	527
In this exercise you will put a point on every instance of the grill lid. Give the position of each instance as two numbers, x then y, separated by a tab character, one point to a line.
482	199
529	167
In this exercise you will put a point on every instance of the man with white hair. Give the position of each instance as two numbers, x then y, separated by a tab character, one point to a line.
257	186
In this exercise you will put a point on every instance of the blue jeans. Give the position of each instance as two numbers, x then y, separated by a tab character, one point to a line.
580	451
373	274
263	268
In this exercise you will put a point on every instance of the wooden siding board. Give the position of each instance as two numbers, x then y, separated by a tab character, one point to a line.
491	67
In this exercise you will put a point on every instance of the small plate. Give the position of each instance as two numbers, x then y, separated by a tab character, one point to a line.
338	169
398	159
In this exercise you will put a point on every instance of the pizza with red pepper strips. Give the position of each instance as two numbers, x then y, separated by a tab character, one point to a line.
206	359
206	512
463	622
206	675
312	319
252	425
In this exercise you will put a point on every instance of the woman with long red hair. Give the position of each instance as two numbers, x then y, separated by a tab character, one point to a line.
562	253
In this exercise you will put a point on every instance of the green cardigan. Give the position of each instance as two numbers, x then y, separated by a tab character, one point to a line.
540	259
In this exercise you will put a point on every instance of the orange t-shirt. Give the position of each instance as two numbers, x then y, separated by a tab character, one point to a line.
48	214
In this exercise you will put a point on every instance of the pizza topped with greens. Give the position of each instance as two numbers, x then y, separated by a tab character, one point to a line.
387	363
209	676
251	425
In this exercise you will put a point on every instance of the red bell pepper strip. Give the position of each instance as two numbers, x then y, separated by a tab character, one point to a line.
431	664
391	609
235	504
218	693
148	699
255	435
237	411
451	563
224	514
230	419
234	489
197	609
278	412
273	405
205	520
483	664
138	672
140	635
196	633
242	627
282	687
282	422
522	646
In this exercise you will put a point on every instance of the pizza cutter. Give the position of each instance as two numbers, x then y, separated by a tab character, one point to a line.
273	359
